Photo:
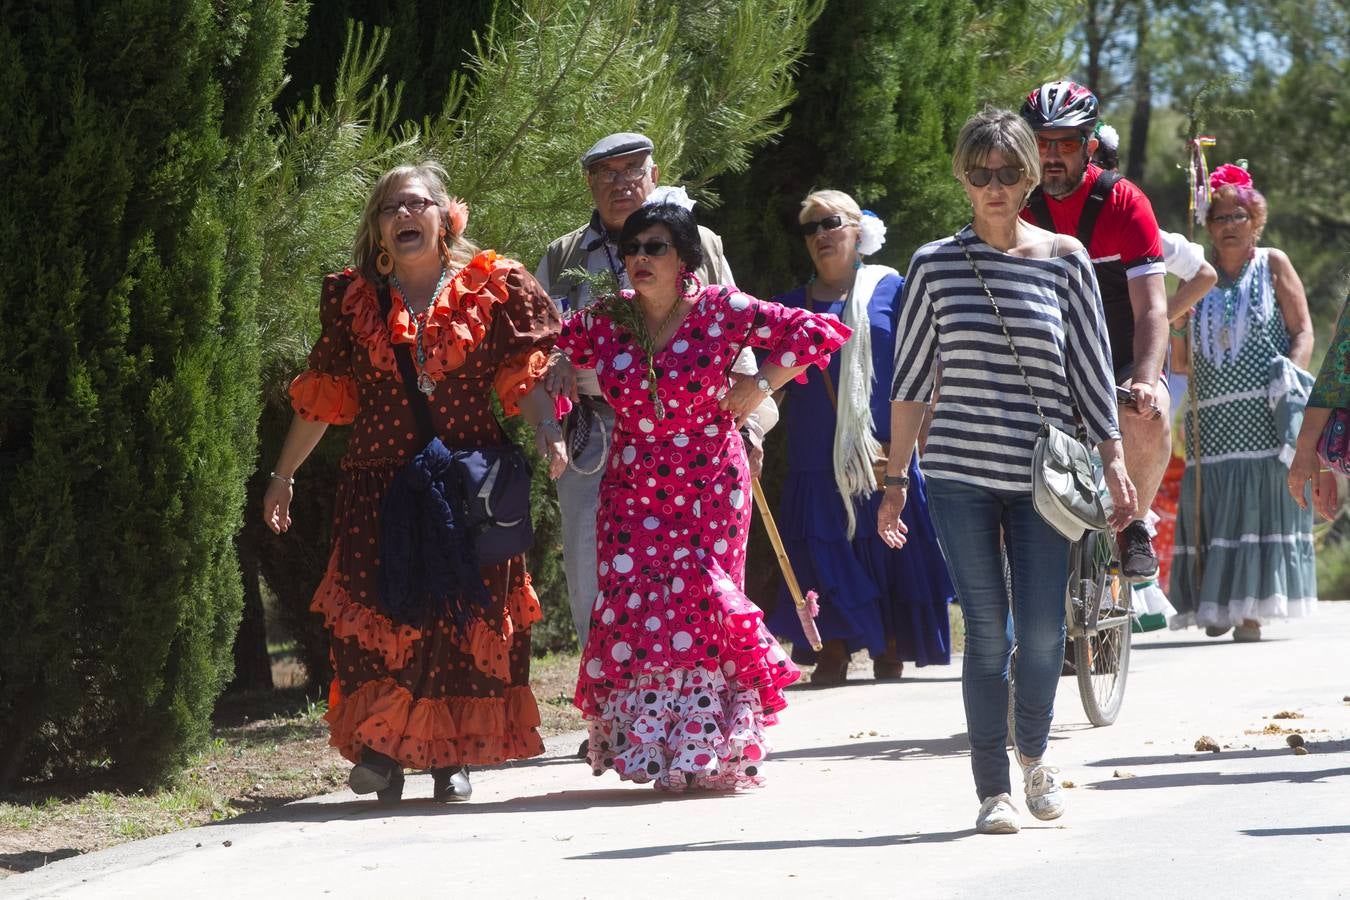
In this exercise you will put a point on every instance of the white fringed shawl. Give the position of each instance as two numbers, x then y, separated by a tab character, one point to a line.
855	447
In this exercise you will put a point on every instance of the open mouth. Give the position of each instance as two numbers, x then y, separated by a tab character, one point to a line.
407	235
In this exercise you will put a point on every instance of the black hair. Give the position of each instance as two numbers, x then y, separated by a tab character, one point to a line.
680	221
1106	157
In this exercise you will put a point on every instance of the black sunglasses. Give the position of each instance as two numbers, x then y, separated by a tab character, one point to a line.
649	247
980	176
829	223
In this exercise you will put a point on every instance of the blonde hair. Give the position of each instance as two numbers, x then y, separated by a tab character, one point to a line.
456	249
835	202
1001	130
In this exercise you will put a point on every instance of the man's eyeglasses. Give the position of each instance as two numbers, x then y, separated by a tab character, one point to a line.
650	247
1237	218
613	176
1064	146
414	205
980	176
829	223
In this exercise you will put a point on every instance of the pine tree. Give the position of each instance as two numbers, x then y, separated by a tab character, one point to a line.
128	368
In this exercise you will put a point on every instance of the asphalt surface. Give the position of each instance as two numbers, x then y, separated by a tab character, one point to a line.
869	794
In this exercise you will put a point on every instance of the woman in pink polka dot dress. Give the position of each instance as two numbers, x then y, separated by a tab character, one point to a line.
679	677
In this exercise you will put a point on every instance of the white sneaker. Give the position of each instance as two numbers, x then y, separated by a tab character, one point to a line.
1045	798
997	816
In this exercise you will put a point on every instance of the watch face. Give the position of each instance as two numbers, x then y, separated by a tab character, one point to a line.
764	385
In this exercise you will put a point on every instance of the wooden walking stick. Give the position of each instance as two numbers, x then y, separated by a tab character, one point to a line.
1198	175
805	603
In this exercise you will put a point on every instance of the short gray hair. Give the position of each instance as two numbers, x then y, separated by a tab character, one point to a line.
996	129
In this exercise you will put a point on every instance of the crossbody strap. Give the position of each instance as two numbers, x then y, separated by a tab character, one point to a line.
417	401
1017	358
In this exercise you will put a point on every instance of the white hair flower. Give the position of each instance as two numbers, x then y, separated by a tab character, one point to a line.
1109	137
665	194
871	233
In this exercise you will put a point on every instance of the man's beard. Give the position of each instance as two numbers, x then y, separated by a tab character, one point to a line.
1062	185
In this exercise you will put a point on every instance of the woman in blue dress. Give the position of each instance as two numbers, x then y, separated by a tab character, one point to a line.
893	603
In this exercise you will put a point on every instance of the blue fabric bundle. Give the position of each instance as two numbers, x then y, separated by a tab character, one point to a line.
427	560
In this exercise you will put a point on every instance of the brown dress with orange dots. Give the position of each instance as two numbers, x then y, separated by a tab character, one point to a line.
427	694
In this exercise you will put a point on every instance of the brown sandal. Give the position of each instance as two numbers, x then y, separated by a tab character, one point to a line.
888	667
831	664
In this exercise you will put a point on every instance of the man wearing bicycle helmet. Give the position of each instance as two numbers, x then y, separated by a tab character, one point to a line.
1114	220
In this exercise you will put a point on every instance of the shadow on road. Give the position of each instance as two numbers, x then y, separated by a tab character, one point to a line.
1314	746
28	860
936	748
881	840
1218	779
1291	832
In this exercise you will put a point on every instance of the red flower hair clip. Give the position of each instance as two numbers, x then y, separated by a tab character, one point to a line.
457	211
1229	174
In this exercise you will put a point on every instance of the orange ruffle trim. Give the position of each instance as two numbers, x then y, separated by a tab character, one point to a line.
324	398
436	733
457	323
377	633
517	376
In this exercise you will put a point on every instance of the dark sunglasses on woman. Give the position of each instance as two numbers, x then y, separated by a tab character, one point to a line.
829	223
650	247
980	176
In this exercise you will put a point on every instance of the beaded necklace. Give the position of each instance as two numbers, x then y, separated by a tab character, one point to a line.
425	384
1232	292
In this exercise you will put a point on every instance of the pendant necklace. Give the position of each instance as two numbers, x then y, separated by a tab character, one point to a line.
1231	292
425	384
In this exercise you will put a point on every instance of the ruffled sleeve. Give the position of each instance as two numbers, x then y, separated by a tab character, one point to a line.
1332	388
524	329
326	391
793	336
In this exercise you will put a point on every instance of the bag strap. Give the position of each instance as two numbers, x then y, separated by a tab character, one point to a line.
1040	209
1017	358
417	401
1092	206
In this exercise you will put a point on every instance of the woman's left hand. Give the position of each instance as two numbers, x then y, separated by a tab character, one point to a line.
1326	495
549	441
1303	469
743	398
1124	498
890	526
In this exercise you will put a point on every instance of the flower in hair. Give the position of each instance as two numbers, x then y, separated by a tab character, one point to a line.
871	233
457	211
1109	137
665	194
1229	174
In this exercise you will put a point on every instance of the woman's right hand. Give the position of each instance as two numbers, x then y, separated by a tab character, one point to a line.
561	378
277	505
1124	498
890	526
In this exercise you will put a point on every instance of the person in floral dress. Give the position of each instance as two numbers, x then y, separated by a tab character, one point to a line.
679	676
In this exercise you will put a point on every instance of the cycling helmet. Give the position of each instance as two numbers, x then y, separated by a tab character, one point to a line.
1060	104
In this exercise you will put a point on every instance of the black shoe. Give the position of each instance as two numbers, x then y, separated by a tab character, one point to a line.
585	749
374	773
392	793
1137	559
449	785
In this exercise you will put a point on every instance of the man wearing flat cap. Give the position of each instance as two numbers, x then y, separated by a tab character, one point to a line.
622	177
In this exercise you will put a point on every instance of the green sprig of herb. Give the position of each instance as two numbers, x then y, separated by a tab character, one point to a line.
626	314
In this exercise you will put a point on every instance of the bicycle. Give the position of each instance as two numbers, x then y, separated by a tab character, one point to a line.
1097	617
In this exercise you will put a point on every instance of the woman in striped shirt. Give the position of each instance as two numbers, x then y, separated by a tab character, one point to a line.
977	457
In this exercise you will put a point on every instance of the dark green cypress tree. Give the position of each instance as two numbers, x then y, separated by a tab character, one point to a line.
134	135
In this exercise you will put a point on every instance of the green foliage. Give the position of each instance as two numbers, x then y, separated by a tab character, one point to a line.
128	368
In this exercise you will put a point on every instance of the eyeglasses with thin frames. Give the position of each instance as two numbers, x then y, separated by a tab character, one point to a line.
649	247
413	205
1237	218
613	176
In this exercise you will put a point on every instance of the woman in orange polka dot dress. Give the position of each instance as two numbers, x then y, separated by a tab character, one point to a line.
679	676
424	693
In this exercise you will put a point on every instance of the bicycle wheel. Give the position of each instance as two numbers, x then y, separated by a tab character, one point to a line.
1100	603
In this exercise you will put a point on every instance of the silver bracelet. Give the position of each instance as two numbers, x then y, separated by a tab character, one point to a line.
548	423
289	479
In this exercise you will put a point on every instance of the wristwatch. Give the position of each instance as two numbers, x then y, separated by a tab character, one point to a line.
897	481
549	423
763	384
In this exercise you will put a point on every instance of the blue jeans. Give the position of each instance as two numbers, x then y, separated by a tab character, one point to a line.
972	522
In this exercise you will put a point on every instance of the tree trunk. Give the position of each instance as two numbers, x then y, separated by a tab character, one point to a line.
252	662
1093	37
1143	96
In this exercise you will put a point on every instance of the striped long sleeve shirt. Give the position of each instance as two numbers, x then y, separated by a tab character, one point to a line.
985	422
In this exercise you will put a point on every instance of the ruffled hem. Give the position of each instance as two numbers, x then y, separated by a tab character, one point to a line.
1263	610
458	321
377	633
517	377
682	729
697	619
436	733
318	397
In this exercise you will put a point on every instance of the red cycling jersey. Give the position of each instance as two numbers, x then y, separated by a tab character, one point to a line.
1124	245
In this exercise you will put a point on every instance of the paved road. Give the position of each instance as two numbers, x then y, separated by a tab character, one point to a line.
870	796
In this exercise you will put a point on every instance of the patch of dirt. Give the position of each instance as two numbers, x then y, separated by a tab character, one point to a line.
1205	742
1287	714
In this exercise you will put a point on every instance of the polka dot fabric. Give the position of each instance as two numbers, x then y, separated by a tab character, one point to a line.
679	676
426	693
